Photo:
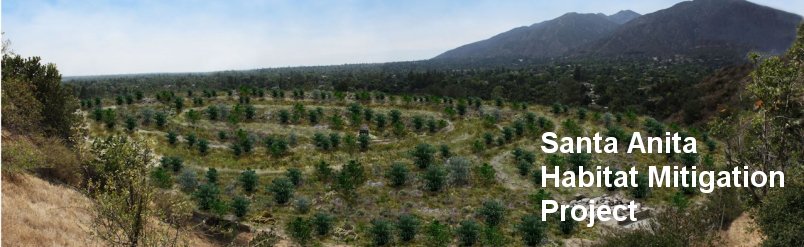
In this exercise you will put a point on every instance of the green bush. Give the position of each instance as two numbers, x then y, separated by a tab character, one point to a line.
282	188
408	226
381	232
492	212
468	232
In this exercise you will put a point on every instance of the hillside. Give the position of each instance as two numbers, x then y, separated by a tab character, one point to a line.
709	28
541	40
38	213
701	27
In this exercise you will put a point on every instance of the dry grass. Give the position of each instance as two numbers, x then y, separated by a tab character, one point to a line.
38	213
743	232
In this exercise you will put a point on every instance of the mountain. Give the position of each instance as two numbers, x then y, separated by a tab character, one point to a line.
541	40
623	16
701	27
709	28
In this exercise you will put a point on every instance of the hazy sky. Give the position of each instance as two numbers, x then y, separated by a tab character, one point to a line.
114	37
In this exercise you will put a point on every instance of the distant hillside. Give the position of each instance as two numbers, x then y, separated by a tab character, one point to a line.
702	27
623	16
541	40
712	28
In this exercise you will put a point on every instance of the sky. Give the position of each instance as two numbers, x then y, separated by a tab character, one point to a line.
97	37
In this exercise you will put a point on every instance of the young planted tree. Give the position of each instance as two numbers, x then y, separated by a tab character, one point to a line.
299	229
486	174
398	174
212	175
435	178
295	176
172	137
282	188
322	223
492	212
363	140
240	206
207	196
161	119
532	229
381	232
468	233
203	146
408	227
438	234
349	178
249	180
459	170
423	155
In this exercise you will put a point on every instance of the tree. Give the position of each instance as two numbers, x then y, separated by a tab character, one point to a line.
207	196
295	176
444	150
282	189
203	146
123	195
212	175
423	155
302	205
459	170
524	167
438	234
193	116
532	229
364	140
131	123
323	171
174	163
335	139
284	116
380	120
249	180
35	99
779	215
408	226
322	223
396	116
568	225
493	212
299	229
240	206
190	138
642	190
188	180
178	104
161	119
250	112
468	233
349	178
110	118
435	177
381	232
398	174
486	174
418	122
161	178
172	137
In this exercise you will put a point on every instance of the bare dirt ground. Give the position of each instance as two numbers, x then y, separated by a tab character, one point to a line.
743	232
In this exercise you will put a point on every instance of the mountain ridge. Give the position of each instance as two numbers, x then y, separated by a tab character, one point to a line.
710	28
